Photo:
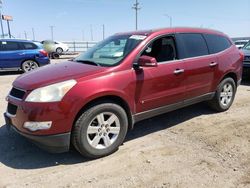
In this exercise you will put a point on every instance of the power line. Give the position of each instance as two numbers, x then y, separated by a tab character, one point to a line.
136	8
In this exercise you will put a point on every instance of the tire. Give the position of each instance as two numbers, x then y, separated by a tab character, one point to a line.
224	95
100	130
29	65
59	50
55	55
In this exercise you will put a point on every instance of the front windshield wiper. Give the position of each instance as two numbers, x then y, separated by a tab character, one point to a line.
87	62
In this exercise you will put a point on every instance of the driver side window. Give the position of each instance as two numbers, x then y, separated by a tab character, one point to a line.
162	49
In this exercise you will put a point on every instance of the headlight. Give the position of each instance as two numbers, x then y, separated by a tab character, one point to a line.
51	93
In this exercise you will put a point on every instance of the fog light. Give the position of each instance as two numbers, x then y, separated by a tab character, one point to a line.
35	126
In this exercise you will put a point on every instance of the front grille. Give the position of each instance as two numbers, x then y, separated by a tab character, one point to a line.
11	109
17	93
247	58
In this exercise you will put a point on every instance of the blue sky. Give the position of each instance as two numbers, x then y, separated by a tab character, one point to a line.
73	18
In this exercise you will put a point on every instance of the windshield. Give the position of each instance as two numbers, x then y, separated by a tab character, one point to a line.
111	51
247	46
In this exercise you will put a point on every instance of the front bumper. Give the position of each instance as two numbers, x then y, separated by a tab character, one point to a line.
57	143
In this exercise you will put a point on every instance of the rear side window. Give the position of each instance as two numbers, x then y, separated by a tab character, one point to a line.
216	43
9	46
29	46
191	45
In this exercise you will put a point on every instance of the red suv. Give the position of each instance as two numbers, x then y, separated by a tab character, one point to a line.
92	100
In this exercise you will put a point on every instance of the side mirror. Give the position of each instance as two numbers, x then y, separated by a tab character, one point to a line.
147	61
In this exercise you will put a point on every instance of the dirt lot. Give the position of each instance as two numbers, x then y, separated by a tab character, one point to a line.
191	147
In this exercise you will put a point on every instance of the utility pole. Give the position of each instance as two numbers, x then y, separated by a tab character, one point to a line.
82	35
52	32
170	19
91	33
8	24
25	35
33	33
1	20
103	31
136	8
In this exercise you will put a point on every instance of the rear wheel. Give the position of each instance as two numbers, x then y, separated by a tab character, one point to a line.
100	130
59	50
29	65
224	95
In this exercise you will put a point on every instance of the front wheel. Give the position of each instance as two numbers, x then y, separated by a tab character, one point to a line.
29	65
224	95
100	130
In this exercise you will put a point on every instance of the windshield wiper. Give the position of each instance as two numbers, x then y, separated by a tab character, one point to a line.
88	62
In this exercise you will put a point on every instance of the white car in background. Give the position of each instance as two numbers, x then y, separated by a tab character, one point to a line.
240	43
56	46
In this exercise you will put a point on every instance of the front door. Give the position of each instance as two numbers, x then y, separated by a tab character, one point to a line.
162	85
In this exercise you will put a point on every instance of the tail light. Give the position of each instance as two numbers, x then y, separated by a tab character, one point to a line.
242	56
44	53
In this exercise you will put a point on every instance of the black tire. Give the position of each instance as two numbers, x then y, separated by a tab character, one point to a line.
29	65
81	139
217	102
55	55
59	50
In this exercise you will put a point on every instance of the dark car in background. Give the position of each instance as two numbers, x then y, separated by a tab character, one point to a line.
23	55
246	62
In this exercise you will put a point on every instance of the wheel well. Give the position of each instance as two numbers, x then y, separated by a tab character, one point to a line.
113	99
59	48
231	75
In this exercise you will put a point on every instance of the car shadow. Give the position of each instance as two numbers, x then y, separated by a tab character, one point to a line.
245	81
18	153
7	73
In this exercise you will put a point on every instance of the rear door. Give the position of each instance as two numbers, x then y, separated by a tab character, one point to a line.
11	54
200	67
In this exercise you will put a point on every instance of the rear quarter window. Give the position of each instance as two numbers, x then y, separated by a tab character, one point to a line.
191	45
29	46
216	43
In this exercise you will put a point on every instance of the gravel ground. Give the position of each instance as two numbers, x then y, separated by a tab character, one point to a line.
190	147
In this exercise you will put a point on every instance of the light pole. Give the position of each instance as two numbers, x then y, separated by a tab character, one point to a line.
103	31
136	8
170	19
82	35
91	33
52	32
1	4
33	33
25	35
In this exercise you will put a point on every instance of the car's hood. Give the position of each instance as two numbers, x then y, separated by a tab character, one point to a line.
55	73
246	52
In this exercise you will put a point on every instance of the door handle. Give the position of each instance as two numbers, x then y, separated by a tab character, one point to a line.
178	71
213	64
21	53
